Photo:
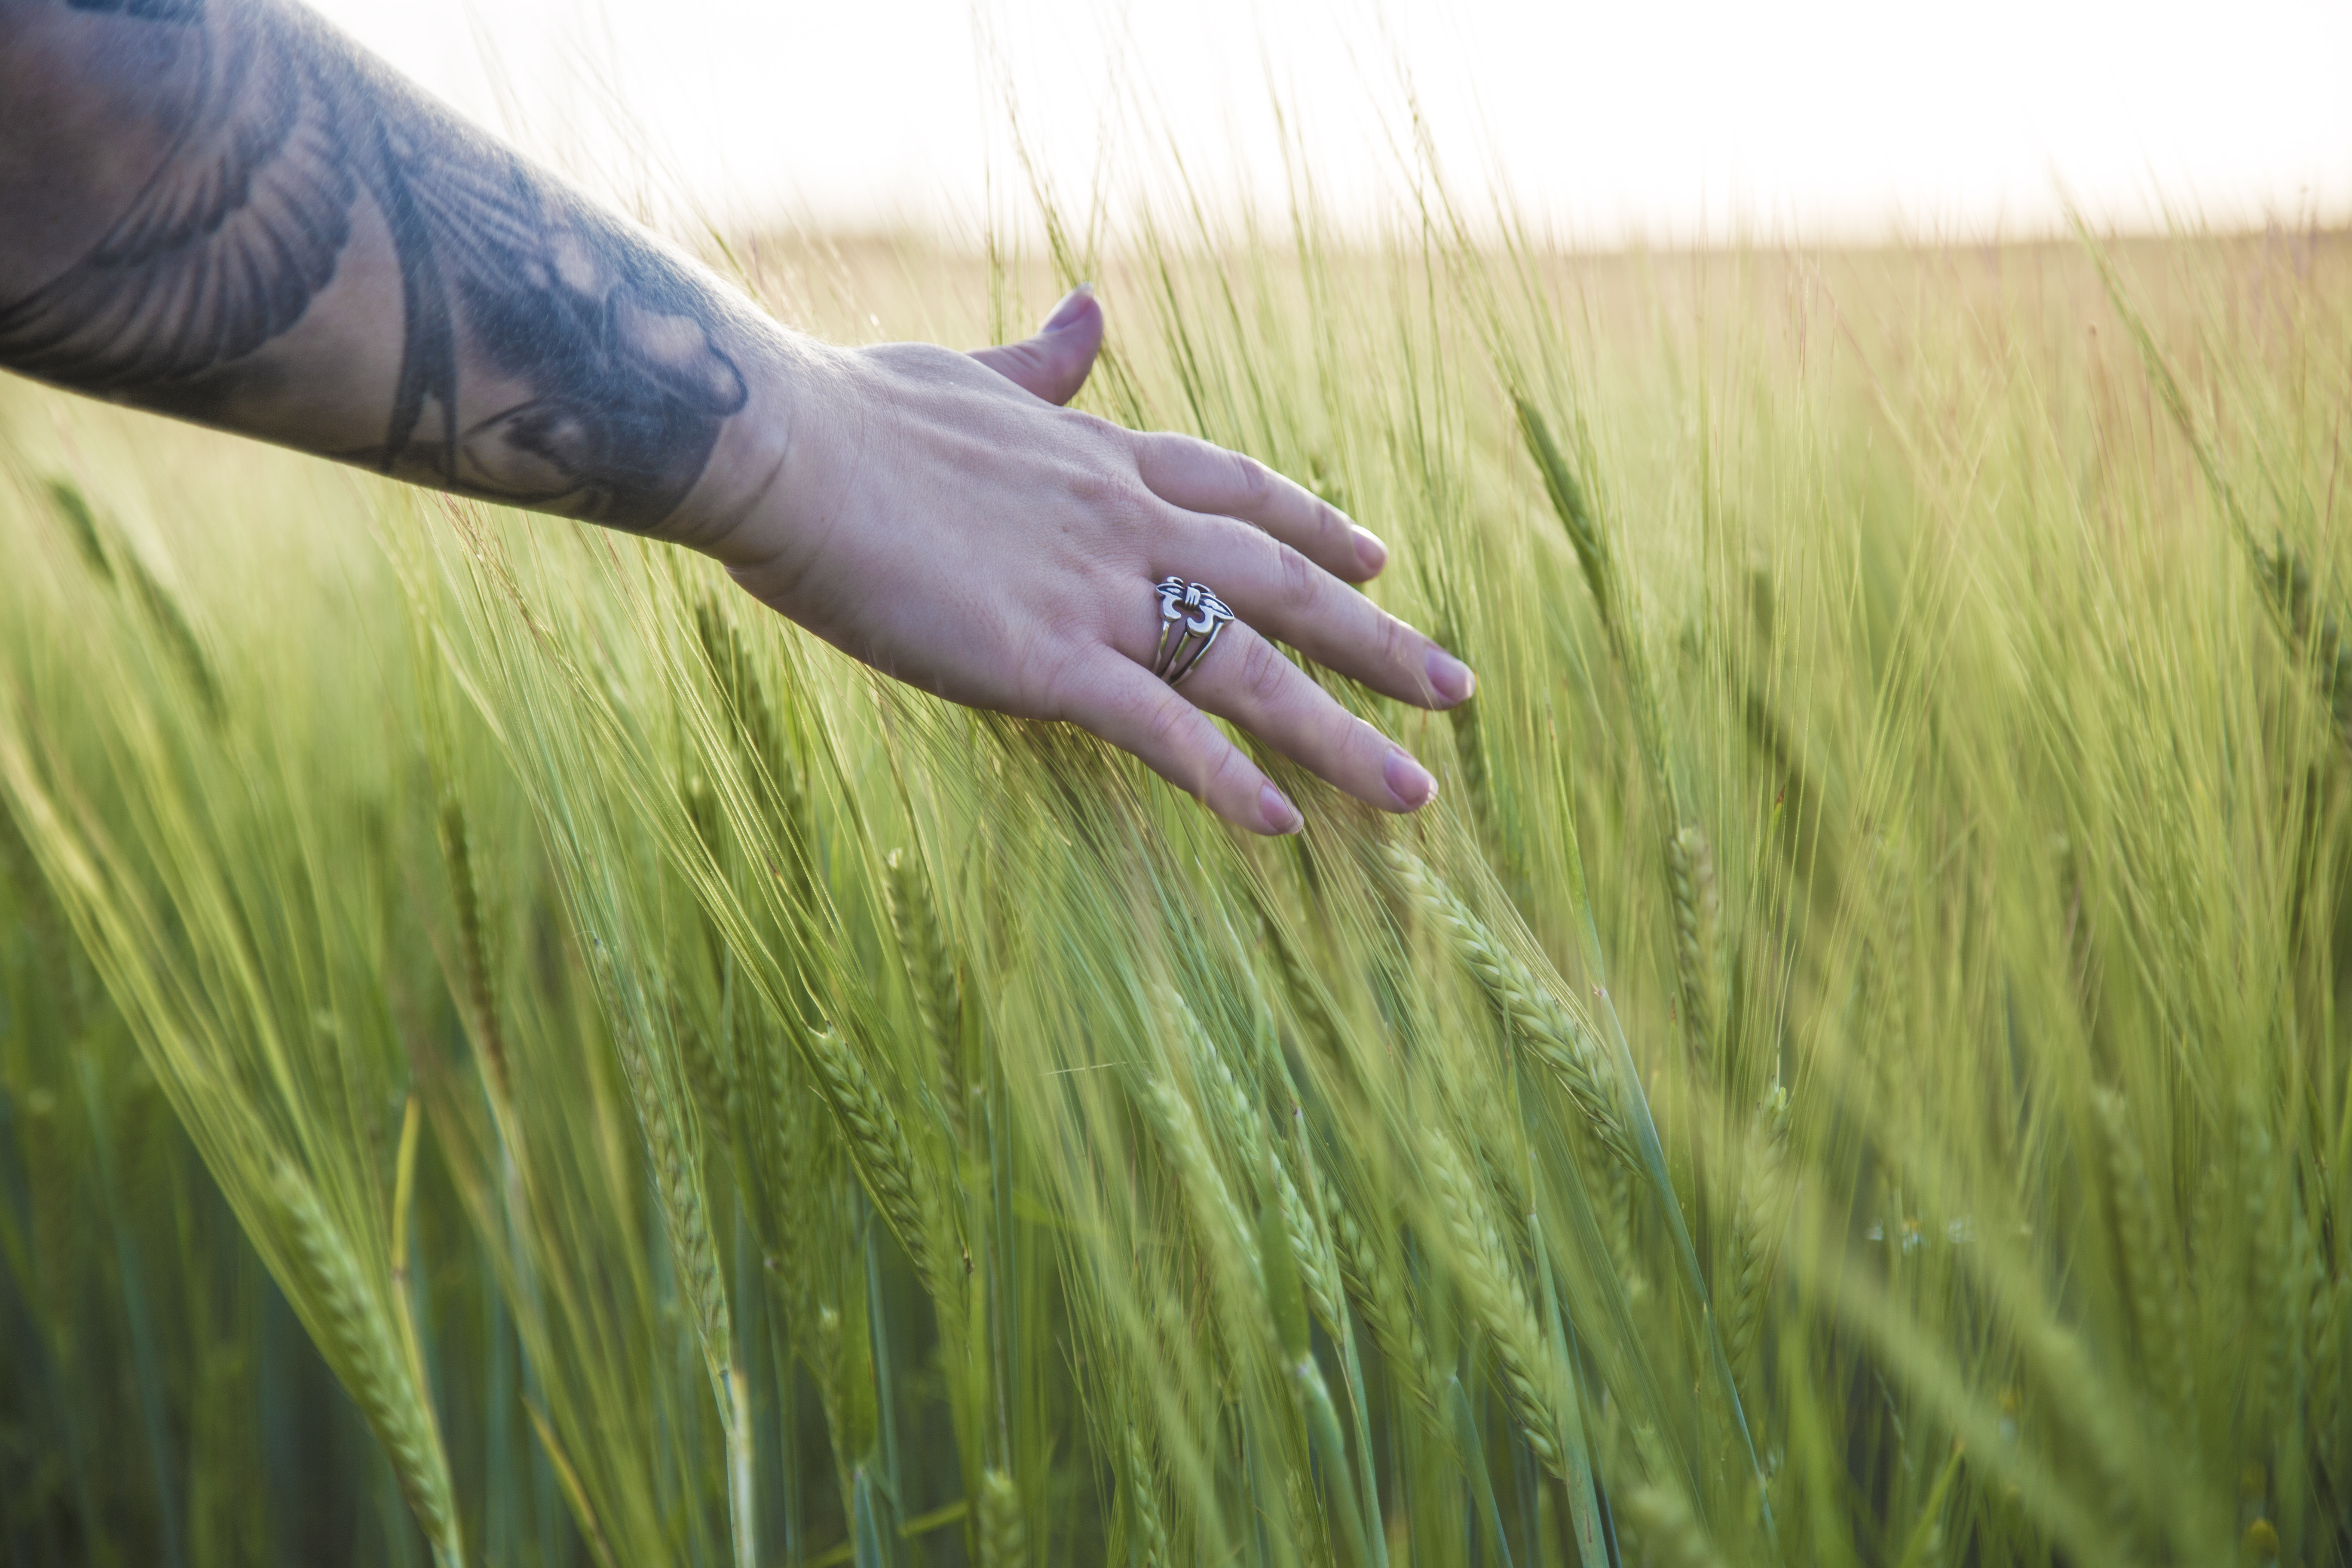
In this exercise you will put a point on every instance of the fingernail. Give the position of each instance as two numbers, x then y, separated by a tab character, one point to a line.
1281	816
1068	310
1370	551
1409	781
1450	676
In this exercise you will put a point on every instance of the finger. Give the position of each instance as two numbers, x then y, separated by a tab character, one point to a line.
1053	364
1244	677
1137	712
1199	476
1288	597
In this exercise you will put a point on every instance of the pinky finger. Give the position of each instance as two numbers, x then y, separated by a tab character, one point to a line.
1137	712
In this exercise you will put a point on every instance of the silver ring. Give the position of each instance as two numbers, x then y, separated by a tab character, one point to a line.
1191	616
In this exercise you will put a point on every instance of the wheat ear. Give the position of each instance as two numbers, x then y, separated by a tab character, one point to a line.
2330	1315
2272	1274
1143	1503
1246	1125
1672	1534
1311	1249
1499	1302
169	620
361	1345
1690	869
2153	1287
2311	628
931	979
1758	1216
482	978
1535	1016
1228	1233
1003	1537
763	1106
876	1144
677	1183
1380	1297
1307	1001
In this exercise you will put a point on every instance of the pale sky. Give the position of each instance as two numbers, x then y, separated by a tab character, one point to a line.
1813	120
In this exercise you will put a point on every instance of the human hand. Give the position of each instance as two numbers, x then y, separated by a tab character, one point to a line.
938	516
381	284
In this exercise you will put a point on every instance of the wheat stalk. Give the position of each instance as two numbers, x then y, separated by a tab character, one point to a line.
2153	1287
1535	1016
1759	1213
1617	1232
2329	1317
1245	1125
1212	1201
932	980
2282	574
473	942
1240	1118
678	1185
2272	1277
171	622
1308	1001
1670	1534
877	1145
1381	1300
1004	1536
1143	1501
747	699
674	1147
1690	874
2312	629
1498	1302
1311	1249
354	1328
1467	720
708	1077
765	1111
1689	870
81	525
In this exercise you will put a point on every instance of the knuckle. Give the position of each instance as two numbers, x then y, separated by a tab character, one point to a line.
1130	499
1251	478
1118	496
1059	682
1262	673
1296	579
925	359
1231	771
1089	486
1396	642
1022	358
1170	724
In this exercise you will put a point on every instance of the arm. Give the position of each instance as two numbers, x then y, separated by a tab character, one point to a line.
223	211
237	218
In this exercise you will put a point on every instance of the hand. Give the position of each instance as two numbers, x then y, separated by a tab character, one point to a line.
939	517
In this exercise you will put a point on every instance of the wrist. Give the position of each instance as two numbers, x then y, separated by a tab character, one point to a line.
746	492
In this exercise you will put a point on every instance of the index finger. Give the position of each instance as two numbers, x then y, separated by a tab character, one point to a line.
1199	476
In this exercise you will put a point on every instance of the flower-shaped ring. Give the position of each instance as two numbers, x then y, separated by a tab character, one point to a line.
1191	616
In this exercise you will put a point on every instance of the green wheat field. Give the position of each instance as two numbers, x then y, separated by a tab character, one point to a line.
510	1054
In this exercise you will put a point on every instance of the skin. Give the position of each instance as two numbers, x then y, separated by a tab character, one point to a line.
223	211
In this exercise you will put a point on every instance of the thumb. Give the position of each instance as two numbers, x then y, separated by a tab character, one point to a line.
1053	364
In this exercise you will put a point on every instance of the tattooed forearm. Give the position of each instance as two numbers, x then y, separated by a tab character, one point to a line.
220	209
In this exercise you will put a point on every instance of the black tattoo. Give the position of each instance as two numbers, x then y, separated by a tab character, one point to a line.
595	381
